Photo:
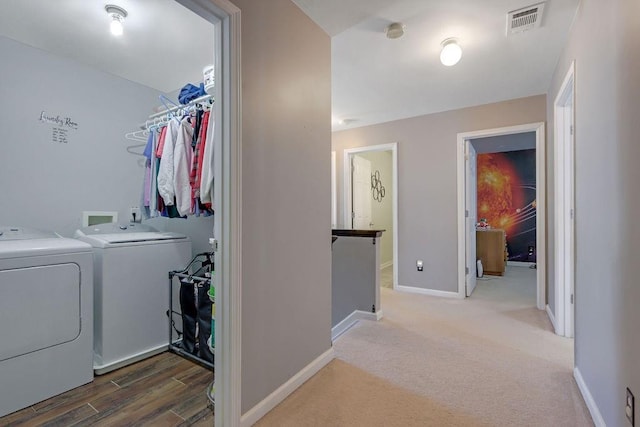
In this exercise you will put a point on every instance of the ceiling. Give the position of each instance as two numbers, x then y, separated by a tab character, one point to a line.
164	45
375	79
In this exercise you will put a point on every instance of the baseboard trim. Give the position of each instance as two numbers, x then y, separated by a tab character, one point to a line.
520	264
588	399
552	318
351	320
430	292
267	404
129	360
386	264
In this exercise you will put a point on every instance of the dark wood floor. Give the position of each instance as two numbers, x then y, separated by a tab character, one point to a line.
165	390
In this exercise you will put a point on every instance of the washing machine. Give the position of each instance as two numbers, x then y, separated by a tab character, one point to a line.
131	282
46	316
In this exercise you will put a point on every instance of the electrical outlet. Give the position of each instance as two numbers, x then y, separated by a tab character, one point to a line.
419	265
629	409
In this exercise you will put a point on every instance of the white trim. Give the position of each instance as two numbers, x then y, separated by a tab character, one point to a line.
541	243
552	318
129	360
227	194
520	264
429	292
346	182
351	320
564	253
334	191
281	393
598	421
386	264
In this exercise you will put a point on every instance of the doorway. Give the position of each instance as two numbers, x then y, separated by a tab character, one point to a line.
227	195
466	204
564	211
371	199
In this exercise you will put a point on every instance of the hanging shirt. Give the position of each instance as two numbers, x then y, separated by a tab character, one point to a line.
198	153
182	158
146	182
148	151
166	170
160	145
206	178
155	163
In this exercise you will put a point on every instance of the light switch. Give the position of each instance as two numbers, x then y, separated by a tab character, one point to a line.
419	265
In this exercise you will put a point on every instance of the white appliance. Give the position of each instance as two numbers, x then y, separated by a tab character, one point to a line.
131	265
46	316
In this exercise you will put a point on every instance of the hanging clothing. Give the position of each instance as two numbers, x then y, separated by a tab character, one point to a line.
206	179
167	168
146	185
160	146
155	163
182	161
198	153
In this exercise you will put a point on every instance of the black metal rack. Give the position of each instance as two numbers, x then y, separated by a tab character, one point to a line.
174	345
200	280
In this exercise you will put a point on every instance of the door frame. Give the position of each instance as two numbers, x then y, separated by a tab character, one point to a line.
228	195
468	146
347	207
564	206
541	213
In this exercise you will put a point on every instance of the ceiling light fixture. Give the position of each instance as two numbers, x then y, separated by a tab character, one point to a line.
117	15
451	52
395	30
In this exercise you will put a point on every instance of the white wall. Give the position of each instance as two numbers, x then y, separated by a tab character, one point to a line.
605	43
382	212
427	192
47	185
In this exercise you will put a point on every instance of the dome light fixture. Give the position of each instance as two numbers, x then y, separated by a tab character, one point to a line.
117	18
451	52
395	30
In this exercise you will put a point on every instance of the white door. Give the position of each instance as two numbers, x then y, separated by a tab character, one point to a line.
569	207
471	214
361	193
564	172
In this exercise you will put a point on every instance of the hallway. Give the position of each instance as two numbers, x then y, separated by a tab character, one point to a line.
491	358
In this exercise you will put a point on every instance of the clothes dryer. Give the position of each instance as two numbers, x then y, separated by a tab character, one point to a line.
46	316
131	304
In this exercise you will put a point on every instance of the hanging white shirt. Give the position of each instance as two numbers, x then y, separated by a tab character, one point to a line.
182	161
206	180
166	169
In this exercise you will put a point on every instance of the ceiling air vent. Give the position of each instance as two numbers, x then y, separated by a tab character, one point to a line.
524	19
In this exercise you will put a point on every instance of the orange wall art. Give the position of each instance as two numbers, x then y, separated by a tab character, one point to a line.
507	199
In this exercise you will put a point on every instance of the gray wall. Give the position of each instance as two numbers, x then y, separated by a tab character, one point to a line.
382	212
286	235
354	279
504	143
427	188
605	43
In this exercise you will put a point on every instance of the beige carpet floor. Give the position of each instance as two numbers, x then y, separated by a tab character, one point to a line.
491	359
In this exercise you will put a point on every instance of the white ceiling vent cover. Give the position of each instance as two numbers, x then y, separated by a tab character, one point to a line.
524	19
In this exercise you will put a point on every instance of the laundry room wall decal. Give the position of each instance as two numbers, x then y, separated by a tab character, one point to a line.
62	125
